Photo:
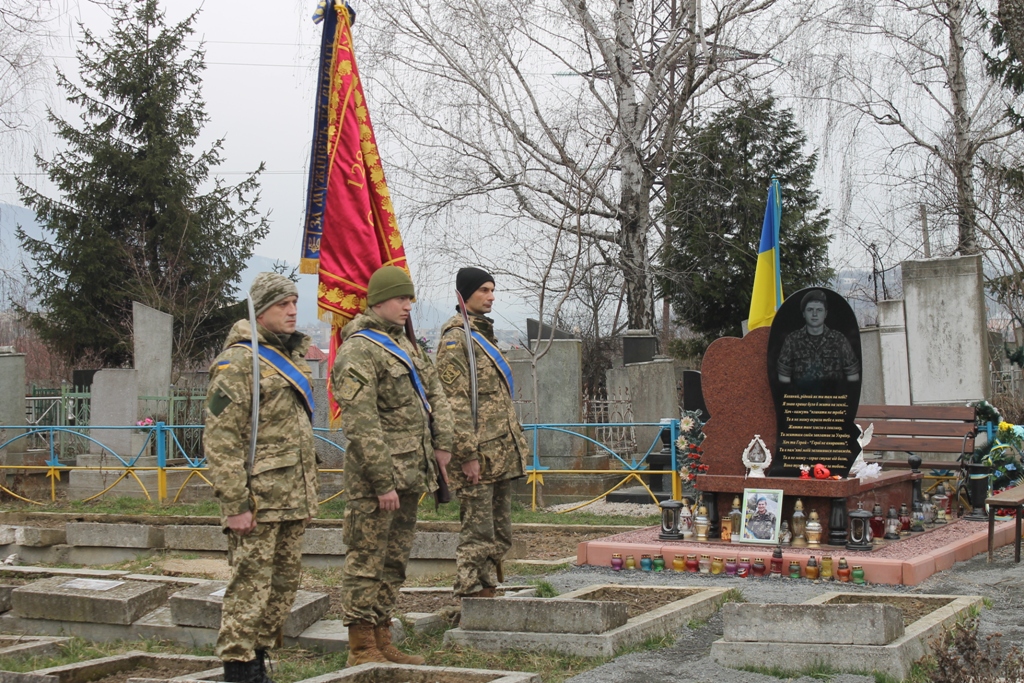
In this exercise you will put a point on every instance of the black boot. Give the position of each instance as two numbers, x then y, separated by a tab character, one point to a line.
242	672
263	657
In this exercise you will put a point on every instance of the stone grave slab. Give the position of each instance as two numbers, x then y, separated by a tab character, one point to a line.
399	673
895	658
94	669
38	537
103	535
102	601
195	537
876	624
541	615
691	603
200	606
30	646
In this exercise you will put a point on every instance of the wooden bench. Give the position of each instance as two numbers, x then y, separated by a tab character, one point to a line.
919	429
1010	498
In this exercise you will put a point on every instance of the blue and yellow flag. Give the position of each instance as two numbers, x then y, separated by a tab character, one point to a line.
767	294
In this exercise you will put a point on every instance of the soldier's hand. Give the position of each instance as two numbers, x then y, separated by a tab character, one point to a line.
471	469
443	458
242	524
389	501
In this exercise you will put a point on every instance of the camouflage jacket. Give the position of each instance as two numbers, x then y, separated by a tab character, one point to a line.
498	441
283	481
391	440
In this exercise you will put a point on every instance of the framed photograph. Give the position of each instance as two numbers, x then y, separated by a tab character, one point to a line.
762	516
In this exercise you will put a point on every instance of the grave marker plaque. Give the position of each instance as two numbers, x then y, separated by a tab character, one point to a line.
814	370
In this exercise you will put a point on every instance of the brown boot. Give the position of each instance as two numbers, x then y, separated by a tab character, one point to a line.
362	645
382	634
485	592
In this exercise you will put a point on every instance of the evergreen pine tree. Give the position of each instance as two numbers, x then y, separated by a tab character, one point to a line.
716	204
137	216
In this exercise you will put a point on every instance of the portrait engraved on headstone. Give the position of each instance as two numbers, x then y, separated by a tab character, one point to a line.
814	369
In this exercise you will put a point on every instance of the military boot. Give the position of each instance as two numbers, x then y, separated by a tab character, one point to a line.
382	636
263	657
362	644
242	672
485	592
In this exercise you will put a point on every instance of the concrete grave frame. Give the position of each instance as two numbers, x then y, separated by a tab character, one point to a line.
894	659
661	621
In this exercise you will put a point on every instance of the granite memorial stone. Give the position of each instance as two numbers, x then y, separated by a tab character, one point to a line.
814	369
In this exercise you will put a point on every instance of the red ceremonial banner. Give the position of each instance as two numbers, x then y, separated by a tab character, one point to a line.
351	229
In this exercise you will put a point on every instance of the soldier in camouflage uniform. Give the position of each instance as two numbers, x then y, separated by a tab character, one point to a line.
264	512
490	455
398	441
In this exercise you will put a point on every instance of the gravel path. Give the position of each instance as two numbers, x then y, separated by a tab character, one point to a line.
687	660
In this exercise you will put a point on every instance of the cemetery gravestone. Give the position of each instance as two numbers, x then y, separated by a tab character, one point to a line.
814	369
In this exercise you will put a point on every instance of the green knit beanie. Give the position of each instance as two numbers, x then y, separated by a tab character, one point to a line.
387	283
269	288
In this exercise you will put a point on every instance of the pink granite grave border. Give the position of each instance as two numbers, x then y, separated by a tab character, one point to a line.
883	570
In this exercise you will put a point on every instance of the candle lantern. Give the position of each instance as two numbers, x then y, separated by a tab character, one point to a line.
617	562
743	568
758	568
630	562
843	572
939	501
710	501
736	517
794	569
917	518
645	563
905	520
670	512
776	566
825	572
798	525
730	565
858	575
811	570
685	521
860	529
717	565
814	530
877	523
705	564
701	524
929	510
692	565
678	563
659	563
892	525
837	522
978	487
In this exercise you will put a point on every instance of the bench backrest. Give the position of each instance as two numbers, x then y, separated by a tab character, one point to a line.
921	429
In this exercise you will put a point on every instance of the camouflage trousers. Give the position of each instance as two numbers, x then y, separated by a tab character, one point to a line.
379	543
486	535
265	569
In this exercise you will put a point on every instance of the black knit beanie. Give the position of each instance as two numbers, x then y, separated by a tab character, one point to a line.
471	279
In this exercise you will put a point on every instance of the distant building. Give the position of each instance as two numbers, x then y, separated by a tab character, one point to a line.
317	360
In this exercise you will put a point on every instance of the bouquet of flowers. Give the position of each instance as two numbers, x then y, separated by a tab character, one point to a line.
1003	451
689	452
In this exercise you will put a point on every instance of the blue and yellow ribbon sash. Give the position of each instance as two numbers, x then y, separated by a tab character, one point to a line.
388	344
287	369
499	361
